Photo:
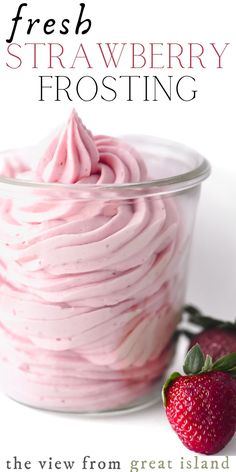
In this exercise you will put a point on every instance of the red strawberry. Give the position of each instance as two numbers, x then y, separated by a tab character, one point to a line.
217	342
201	405
217	339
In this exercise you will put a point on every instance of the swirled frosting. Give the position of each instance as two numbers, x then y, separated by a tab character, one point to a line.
91	289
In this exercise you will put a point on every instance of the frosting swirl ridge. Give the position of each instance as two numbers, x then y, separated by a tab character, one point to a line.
91	290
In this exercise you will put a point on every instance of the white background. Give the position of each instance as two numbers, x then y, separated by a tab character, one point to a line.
206	123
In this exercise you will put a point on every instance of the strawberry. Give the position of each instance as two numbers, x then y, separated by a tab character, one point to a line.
217	342
217	339
201	405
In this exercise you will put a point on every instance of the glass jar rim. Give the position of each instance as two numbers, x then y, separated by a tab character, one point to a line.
163	186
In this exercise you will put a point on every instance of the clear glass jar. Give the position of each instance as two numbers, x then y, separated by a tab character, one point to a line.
93	282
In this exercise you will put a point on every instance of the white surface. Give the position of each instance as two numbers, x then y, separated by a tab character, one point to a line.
212	282
205	124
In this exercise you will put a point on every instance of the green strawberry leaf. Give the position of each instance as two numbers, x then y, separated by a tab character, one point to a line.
232	371
198	318
194	361
226	363
168	382
208	364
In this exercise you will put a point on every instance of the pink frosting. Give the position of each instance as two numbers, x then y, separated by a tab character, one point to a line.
71	156
91	290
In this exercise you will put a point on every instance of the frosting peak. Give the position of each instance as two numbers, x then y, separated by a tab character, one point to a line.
76	156
71	156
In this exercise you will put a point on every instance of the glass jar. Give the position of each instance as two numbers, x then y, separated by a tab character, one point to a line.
93	282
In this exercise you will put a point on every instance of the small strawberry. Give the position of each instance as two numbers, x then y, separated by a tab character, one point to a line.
201	405
217	339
